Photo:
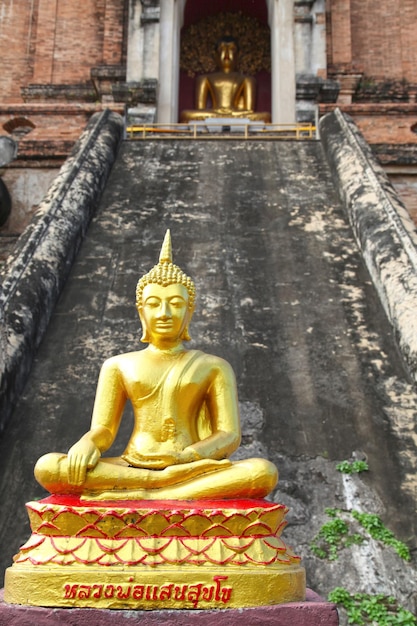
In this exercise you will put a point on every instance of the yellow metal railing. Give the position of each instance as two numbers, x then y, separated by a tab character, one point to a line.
215	129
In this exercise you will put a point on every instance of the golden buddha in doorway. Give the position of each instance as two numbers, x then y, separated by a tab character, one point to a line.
231	94
185	410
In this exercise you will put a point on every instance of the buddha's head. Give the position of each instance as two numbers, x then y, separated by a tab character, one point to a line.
227	51
166	282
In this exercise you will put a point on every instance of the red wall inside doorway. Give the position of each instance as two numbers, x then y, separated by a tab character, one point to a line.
196	10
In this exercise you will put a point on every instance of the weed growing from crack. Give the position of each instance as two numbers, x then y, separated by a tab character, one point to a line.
335	535
375	527
352	467
363	608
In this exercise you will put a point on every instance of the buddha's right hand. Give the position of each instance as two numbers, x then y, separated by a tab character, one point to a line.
82	456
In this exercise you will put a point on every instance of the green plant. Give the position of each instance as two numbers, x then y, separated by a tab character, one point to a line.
362	608
352	467
334	535
375	527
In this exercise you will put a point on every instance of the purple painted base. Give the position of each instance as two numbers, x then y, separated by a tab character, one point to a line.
313	612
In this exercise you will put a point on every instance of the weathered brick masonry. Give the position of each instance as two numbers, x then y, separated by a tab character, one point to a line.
384	42
57	42
372	51
50	49
376	37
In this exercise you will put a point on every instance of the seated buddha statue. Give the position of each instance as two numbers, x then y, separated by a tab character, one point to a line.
186	416
231	93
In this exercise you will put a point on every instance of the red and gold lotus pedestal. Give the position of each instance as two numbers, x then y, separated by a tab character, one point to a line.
155	555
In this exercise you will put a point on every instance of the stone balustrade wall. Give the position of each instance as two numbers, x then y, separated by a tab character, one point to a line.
383	228
36	271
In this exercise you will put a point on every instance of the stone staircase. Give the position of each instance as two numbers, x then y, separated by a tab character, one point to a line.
283	295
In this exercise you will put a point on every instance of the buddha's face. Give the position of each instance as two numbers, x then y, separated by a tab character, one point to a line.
227	55
165	313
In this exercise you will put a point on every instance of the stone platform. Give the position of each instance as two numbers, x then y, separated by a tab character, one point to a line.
313	612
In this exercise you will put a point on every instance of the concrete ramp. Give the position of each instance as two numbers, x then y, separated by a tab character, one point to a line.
283	295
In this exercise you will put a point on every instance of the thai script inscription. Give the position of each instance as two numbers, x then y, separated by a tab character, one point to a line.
194	594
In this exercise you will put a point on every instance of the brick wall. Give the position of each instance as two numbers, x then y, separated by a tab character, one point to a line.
80	42
339	45
56	127
376	36
15	44
380	36
383	123
57	41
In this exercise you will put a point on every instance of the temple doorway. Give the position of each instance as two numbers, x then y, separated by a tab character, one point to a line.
204	23
275	84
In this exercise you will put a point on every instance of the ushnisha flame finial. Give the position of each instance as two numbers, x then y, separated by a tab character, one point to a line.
165	255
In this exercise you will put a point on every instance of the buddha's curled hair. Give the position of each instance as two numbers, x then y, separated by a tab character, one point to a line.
166	273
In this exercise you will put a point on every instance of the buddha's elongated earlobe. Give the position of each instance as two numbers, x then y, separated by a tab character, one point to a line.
146	338
185	335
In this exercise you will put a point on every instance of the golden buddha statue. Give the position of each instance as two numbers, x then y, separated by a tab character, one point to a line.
231	93
178	525
186	417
